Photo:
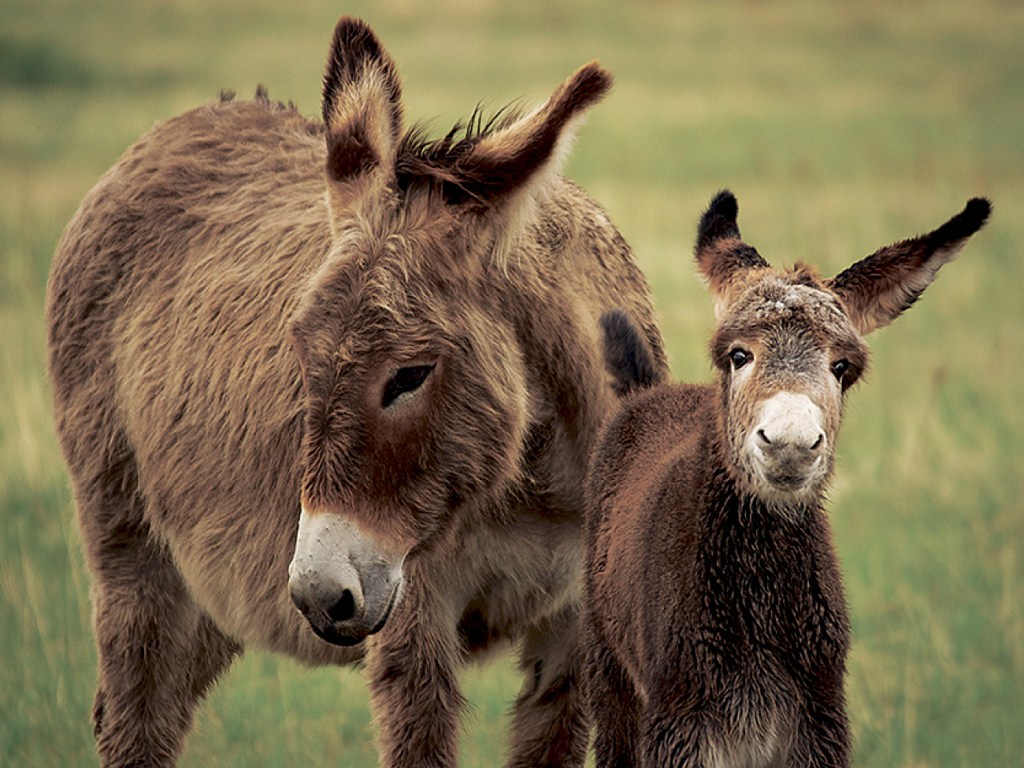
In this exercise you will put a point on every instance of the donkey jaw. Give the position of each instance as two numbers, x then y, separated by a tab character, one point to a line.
342	580
781	486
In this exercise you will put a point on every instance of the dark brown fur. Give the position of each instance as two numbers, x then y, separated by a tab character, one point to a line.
714	620
220	339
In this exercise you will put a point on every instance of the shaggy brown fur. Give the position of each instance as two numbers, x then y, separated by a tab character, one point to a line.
714	621
252	313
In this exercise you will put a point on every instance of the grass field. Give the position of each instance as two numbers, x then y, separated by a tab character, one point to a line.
840	126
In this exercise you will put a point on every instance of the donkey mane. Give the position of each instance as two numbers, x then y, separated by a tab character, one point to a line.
262	96
424	161
423	158
443	165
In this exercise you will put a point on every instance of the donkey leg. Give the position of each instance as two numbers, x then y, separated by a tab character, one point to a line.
671	736
158	653
413	686
614	709
822	739
550	725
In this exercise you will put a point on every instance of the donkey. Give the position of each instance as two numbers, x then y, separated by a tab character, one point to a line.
714	622
329	389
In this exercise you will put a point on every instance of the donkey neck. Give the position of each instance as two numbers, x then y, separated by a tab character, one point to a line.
755	560
729	503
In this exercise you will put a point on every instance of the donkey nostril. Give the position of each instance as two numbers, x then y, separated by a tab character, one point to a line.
818	442
344	608
764	437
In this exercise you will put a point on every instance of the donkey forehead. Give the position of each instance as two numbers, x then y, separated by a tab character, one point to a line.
379	231
379	257
776	306
360	305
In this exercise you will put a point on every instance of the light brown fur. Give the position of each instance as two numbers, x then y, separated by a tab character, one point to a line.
223	316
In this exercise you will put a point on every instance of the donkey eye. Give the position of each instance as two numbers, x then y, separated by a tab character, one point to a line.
405	380
739	358
839	369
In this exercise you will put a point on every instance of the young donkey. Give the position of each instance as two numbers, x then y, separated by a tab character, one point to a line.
342	369
714	620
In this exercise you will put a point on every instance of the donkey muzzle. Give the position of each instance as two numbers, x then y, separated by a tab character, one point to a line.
788	444
342	580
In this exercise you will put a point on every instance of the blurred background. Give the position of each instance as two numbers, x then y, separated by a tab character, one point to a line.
840	126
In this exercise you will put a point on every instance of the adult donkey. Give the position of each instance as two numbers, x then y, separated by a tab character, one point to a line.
405	349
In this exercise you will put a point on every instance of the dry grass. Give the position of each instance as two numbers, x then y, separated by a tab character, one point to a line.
839	126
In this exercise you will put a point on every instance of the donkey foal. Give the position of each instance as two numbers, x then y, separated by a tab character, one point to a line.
714	620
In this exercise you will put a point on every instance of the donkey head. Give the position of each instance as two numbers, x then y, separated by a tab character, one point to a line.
789	344
415	390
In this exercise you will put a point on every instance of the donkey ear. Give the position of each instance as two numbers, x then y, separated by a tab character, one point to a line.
877	289
721	255
361	108
518	158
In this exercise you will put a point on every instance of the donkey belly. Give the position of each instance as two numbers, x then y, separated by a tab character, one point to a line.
237	572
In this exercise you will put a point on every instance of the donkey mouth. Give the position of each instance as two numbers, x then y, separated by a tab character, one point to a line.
788	478
387	610
335	636
345	634
787	481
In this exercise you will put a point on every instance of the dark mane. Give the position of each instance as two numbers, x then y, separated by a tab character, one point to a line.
435	162
262	96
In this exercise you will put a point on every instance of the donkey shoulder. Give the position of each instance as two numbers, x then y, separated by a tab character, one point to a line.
649	424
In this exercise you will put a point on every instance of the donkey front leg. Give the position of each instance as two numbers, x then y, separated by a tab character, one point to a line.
823	736
550	724
413	686
613	706
158	652
670	737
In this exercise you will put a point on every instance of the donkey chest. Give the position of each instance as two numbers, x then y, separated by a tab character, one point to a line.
768	591
754	635
767	635
512	578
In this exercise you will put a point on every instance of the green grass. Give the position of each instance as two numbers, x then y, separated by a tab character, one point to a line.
840	127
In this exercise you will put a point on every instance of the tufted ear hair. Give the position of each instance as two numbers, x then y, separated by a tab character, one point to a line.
722	257
877	289
514	156
362	111
502	172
